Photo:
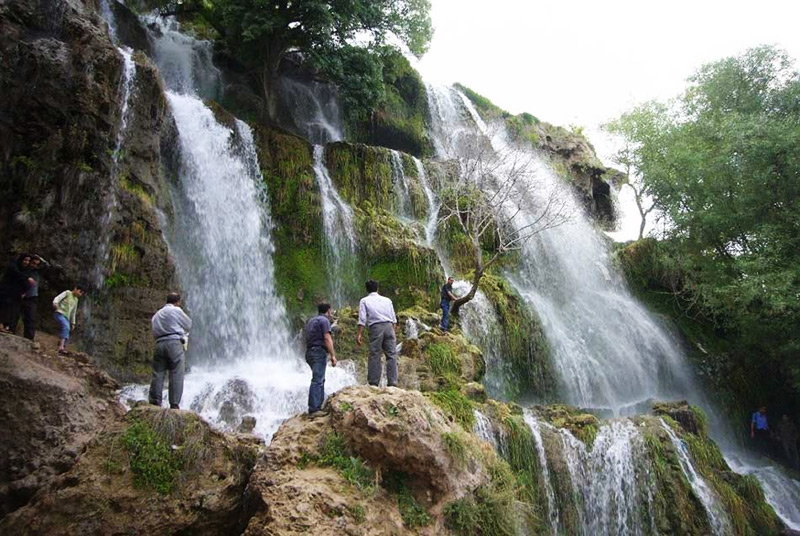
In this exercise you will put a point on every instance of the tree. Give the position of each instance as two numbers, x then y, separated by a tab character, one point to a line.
722	165
261	32
498	204
638	132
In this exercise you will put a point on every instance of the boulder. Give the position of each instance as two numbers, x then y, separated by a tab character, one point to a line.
52	408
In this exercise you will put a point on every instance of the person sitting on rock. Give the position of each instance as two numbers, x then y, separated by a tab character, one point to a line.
447	297
66	314
319	345
14	285
376	312
170	326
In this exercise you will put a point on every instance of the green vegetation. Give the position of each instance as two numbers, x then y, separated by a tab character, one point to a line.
443	360
358	513
152	461
260	35
719	164
490	510
456	405
455	444
336	454
163	448
411	512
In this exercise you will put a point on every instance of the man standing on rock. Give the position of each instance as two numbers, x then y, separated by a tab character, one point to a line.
66	314
170	328
319	345
376	312
447	297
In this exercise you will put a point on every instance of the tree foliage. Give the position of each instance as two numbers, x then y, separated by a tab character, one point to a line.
261	32
722	163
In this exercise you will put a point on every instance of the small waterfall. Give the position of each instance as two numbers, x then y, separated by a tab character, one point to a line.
404	206
312	108
340	234
483	428
451	130
244	360
480	325
607	484
717	517
552	507
781	491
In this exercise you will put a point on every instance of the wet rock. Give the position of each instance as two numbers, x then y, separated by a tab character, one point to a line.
247	425
682	413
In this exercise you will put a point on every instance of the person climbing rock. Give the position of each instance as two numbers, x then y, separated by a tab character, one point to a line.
170	326
14	285
319	345
376	312
447	297
66	313
787	432
31	297
759	430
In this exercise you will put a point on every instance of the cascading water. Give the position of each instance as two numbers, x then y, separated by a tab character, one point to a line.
245	362
340	234
608	351
403	204
552	508
483	428
312	108
717	517
782	492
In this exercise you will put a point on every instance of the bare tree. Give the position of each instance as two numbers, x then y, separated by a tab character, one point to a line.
498	199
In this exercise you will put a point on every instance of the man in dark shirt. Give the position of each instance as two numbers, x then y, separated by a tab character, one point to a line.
319	344
447	297
759	430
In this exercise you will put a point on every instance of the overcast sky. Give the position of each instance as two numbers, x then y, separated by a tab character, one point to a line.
584	62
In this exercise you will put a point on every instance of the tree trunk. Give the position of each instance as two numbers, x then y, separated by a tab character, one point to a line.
269	77
458	302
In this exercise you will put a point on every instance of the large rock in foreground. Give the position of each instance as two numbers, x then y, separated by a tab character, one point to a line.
52	407
384	461
156	471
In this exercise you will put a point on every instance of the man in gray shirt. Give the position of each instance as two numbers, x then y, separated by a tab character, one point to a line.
170	328
376	312
319	345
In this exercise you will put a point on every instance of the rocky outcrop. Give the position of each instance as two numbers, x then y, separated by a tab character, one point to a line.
385	461
52	408
155	471
65	191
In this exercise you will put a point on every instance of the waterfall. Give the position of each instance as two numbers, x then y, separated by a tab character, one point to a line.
402	194
552	507
312	109
717	517
607	483
339	229
781	491
483	428
244	360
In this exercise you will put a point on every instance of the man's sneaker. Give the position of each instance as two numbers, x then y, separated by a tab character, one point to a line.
318	413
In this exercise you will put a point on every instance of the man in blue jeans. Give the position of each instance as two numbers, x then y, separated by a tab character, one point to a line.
447	297
319	345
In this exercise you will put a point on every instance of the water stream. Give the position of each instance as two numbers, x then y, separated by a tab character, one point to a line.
339	230
244	359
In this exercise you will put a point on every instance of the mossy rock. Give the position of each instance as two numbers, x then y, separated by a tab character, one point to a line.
583	426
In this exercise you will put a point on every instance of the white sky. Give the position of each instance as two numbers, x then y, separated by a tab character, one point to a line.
584	62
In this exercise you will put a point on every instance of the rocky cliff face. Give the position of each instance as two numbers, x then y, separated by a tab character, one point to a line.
65	192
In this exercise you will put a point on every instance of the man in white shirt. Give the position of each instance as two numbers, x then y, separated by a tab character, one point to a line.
376	312
170	327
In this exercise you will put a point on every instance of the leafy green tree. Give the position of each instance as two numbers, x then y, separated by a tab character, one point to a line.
723	165
261	32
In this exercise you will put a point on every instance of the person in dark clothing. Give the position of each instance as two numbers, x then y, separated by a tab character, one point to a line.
31	298
14	285
759	430
787	431
319	345
447	297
